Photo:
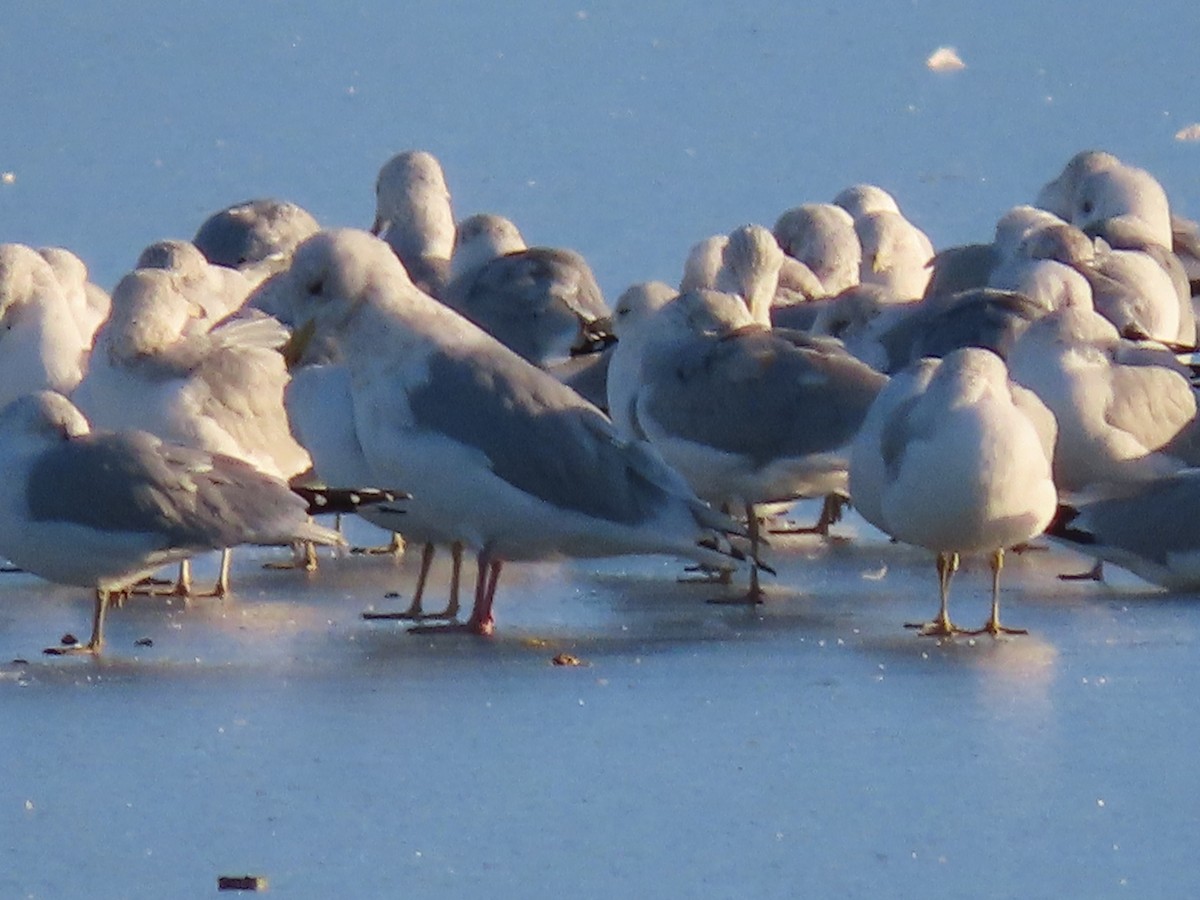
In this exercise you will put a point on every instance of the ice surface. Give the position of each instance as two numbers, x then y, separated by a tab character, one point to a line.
810	748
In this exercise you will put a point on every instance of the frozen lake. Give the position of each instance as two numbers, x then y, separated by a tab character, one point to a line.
811	747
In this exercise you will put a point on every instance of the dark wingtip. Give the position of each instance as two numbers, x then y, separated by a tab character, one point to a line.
322	500
1061	528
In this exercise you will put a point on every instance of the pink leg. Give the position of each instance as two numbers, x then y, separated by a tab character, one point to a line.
482	621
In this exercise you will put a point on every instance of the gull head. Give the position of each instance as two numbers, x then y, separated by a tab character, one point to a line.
480	239
333	274
413	209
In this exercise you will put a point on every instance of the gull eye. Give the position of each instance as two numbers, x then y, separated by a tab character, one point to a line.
1087	207
316	286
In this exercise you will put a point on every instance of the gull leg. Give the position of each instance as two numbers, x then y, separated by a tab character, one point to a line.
183	586
221	588
754	595
394	547
96	644
451	610
831	513
481	621
303	556
414	610
941	626
993	626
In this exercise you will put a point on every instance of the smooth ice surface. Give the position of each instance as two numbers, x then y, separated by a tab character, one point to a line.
810	748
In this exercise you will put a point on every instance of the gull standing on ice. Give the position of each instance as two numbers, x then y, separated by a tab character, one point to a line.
218	390
955	458
103	510
497	453
748	415
1151	530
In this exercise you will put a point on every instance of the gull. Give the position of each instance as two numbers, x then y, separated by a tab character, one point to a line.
320	407
216	290
1096	189
254	236
104	509
413	213
703	263
541	302
748	415
499	454
750	263
1097	186
1046	266
1137	293
1059	194
89	303
954	458
822	236
41	343
155	369
1125	412
1150	530
219	390
895	253
1133	247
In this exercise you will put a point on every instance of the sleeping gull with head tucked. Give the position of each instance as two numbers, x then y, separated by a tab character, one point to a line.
541	302
256	237
104	509
822	236
42	345
414	215
1126	412
896	254
499	454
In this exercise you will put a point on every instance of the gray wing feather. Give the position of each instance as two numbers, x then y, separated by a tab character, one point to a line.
539	437
759	394
133	482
